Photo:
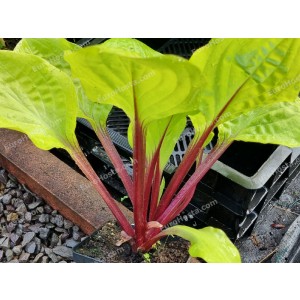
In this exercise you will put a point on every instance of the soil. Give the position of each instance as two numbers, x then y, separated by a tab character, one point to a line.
102	247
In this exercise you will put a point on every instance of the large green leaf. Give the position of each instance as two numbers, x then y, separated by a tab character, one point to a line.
42	104
277	123
149	89
245	74
210	244
52	50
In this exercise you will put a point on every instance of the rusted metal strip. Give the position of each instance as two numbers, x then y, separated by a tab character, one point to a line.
51	179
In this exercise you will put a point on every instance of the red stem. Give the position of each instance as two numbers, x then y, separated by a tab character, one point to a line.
189	158
181	172
139	157
155	192
116	160
180	201
86	168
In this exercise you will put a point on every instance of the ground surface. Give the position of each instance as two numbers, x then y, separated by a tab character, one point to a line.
271	225
30	230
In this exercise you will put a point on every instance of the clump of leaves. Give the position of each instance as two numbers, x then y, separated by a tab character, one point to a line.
237	85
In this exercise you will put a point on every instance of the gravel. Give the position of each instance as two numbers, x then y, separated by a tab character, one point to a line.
30	230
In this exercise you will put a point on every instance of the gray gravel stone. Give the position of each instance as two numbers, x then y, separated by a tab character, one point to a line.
3	176
21	208
63	251
1	208
59	221
34	205
35	228
15	239
10	184
17	250
54	240
76	236
27	216
60	230
38	244
44	233
38	258
45	259
44	218
54	213
30	247
53	257
50	225
6	199
71	243
11	226
68	224
1	255
4	243
24	257
27	238
9	254
75	228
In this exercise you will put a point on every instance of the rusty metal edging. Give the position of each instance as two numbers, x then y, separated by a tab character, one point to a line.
51	179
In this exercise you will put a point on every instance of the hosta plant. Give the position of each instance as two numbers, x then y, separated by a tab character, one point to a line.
246	88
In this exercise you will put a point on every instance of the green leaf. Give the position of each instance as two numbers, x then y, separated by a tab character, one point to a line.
129	47
42	104
210	244
53	51
149	89
277	123
245	75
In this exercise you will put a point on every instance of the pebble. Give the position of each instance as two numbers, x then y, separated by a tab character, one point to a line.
9	254
28	217
44	233
54	240
12	217
6	199
34	205
10	184
68	224
45	259
38	258
30	247
44	218
15	238
27	238
3	176
53	257
35	228
24	257
76	236
11	226
1	255
4	243
1	208
22	208
59	221
71	243
63	251
17	250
